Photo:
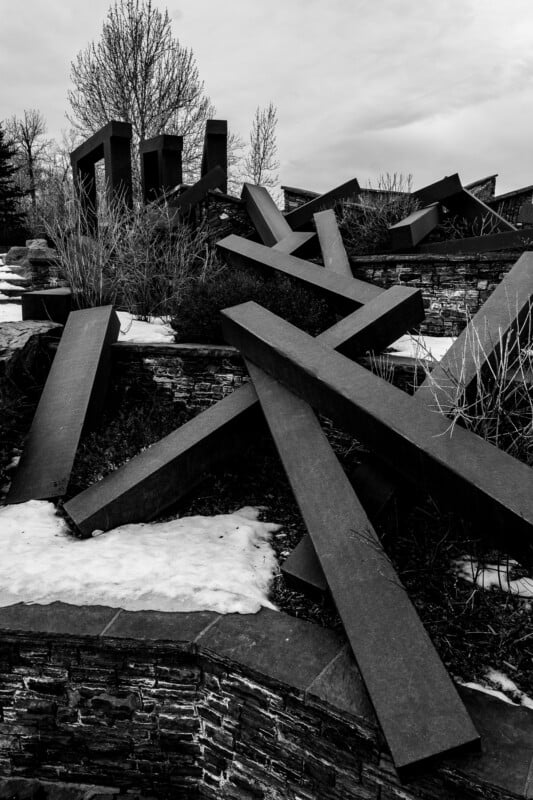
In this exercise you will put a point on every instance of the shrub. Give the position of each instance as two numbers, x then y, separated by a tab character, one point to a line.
197	317
365	225
501	408
138	259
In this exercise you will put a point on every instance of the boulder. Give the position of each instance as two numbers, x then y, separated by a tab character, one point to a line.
16	255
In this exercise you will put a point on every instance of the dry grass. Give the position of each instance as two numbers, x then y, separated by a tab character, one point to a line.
139	259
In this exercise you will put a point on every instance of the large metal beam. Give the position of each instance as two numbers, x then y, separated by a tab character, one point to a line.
410	231
215	152
375	488
485	482
160	165
492	242
331	244
459	201
269	222
416	703
304	214
73	396
495	326
112	143
163	473
346	293
297	243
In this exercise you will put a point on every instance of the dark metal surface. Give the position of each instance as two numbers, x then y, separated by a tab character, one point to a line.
159	476
415	701
268	220
53	304
304	214
509	240
215	152
160	165
411	230
485	482
331	244
72	397
493	328
346	293
113	144
459	201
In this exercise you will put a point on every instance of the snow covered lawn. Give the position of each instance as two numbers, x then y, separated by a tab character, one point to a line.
223	563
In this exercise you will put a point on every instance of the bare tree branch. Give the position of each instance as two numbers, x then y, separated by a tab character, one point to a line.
139	73
261	162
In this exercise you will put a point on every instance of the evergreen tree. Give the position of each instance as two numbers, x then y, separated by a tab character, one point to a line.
10	216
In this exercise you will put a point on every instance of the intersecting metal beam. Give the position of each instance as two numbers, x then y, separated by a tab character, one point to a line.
73	396
269	222
410	231
304	214
414	698
167	470
450	192
487	483
346	293
493	328
331	244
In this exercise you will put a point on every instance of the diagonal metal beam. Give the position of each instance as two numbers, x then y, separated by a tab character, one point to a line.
414	698
487	483
162	474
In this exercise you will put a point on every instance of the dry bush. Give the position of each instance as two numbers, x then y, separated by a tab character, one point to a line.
500	408
138	259
365	225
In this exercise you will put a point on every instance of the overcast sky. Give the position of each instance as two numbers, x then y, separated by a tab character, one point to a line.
362	87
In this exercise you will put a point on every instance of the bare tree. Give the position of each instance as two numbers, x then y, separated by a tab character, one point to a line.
139	73
261	162
31	147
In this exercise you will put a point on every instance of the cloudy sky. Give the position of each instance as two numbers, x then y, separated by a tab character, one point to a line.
362	87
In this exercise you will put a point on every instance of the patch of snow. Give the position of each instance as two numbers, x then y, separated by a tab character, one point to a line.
487	690
223	563
421	347
6	285
494	575
5	272
135	330
10	312
503	682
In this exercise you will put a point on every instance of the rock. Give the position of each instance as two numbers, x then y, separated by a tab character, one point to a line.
39	255
15	255
36	243
21	349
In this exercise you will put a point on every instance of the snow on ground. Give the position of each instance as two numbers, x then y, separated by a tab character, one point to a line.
10	312
494	575
421	347
505	690
223	563
5	272
134	330
6	285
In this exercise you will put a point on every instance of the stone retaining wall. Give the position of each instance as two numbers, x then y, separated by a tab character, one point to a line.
453	287
237	707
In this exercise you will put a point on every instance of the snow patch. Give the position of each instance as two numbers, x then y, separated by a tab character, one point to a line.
506	690
10	312
5	285
135	330
494	575
421	347
223	563
5	272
